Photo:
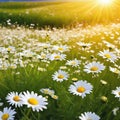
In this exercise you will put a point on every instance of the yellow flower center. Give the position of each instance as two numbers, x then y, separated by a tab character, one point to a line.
94	68
61	49
16	98
107	55
33	101
54	97
74	79
5	116
81	89
116	71
9	49
73	62
57	57
43	56
60	76
46	91
119	93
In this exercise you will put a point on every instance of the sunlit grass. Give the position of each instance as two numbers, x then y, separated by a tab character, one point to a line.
59	13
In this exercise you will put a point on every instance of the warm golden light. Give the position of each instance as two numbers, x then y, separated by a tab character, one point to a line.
105	2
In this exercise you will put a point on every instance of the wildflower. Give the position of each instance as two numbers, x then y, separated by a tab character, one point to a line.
84	45
11	49
114	70
74	79
14	99
36	102
116	92
73	63
81	88
63	67
60	76
54	97
7	114
94	67
108	55
47	91
89	116
42	56
41	69
61	48
57	56
115	110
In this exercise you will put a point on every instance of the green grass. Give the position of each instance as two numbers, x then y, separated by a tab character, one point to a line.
68	106
25	75
58	14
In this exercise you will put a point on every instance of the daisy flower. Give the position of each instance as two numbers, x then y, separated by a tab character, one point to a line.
44	45
115	110
94	67
60	48
73	63
60	76
35	101
54	97
63	67
47	91
42	56
11	49
84	45
57	56
81	88
114	70
116	92
109	45
108	55
13	98
89	116
7	114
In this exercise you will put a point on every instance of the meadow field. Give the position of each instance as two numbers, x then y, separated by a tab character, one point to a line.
58	14
59	61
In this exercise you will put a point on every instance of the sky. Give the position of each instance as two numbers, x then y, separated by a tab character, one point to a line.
23	0
35	0
40	0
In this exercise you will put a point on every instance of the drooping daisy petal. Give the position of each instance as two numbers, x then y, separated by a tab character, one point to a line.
89	116
116	92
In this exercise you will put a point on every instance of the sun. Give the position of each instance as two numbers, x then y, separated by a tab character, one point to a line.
104	2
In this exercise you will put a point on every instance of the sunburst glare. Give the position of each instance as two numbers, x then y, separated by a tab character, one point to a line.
105	2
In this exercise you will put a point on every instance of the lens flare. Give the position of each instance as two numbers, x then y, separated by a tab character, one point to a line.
104	2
